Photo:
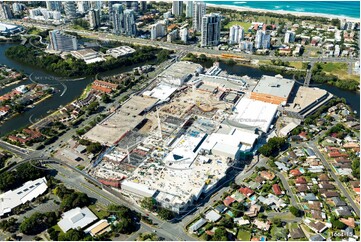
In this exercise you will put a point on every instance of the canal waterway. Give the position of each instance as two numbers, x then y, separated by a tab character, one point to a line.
70	89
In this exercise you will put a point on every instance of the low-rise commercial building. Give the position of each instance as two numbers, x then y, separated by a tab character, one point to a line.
253	114
120	51
88	55
27	192
76	218
275	90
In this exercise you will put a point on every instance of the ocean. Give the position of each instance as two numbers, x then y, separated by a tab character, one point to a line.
339	8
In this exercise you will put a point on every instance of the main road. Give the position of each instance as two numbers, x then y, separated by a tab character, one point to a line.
75	178
182	48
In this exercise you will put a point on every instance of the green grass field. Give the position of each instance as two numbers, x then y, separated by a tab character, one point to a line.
296	64
34	31
244	235
243	24
102	213
339	69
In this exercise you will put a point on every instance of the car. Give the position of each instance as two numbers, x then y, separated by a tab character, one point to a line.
155	231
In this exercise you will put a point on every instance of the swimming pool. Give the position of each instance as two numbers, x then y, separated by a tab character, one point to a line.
302	170
252	198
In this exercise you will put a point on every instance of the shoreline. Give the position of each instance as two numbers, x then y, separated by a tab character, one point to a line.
295	13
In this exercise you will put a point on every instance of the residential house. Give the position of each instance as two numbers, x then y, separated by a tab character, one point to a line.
212	216
317	214
295	172
355	184
297	233
330	194
326	185
317	227
350	222
323	177
309	197
246	191
241	221
338	202
267	175
302	188
197	225
343	211
221	209
252	211
276	189
317	237
228	201
314	205
300	180
265	226
239	197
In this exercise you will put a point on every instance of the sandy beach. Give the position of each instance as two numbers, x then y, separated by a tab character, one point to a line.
241	9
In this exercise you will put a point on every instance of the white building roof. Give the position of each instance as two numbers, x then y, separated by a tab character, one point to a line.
184	153
226	149
161	91
274	85
26	192
137	188
76	218
288	128
213	216
255	113
246	138
198	224
4	27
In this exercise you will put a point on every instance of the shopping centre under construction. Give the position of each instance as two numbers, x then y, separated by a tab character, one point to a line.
178	138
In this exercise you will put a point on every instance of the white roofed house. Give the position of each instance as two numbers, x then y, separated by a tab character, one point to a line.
76	218
197	225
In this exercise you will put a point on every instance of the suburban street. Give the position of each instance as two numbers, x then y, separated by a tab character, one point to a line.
313	145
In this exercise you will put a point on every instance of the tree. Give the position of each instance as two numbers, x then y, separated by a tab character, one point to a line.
273	146
37	223
92	107
106	98
356	168
148	203
295	211
9	225
277	222
336	223
148	236
226	222
220	234
73	200
163	55
72	235
23	173
127	219
19	108
165	214
94	148
344	178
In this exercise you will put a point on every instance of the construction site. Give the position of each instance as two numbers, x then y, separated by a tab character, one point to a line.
178	139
